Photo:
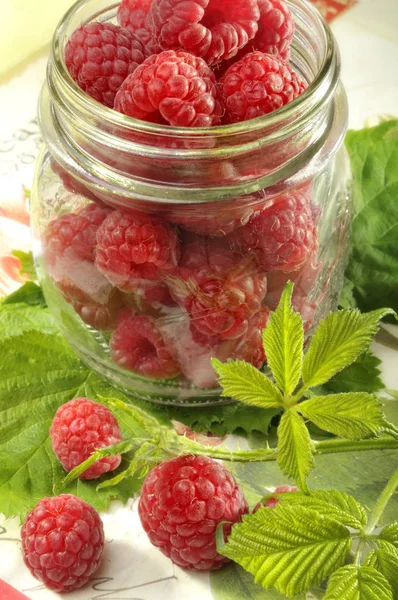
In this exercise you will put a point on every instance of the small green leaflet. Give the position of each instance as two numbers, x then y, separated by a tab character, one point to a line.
354	415
283	343
290	548
334	504
27	264
294	448
337	342
362	376
29	293
358	583
242	381
385	560
372	270
390	534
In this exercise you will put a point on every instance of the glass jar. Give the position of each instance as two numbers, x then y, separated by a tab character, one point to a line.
160	247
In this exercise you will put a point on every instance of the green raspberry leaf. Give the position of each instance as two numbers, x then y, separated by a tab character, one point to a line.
294	448
358	583
333	504
354	415
390	534
290	548
29	293
385	560
283	340
243	382
363	375
17	319
373	264
337	342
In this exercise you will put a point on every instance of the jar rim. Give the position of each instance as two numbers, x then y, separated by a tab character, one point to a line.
89	105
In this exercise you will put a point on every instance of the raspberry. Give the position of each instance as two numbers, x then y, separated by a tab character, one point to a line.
80	427
99	56
173	88
213	29
100	316
282	236
62	542
256	85
182	501
272	501
133	14
275	28
217	288
138	345
69	243
132	247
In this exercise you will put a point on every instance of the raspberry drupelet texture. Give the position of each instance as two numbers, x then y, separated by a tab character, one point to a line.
212	29
218	288
275	28
272	501
80	427
132	247
172	88
99	56
182	502
133	14
69	244
138	345
282	236
62	542
256	85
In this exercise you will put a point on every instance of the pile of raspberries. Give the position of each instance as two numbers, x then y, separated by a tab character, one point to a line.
178	290
188	63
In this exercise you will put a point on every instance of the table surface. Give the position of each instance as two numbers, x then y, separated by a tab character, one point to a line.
132	568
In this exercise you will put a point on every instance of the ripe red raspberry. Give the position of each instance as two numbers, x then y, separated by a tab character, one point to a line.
213	29
275	28
218	288
138	345
62	542
256	85
132	247
69	243
101	316
272	501
282	236
182	501
80	427
99	56
133	14
173	88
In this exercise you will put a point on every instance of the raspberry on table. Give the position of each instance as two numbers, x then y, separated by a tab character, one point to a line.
133	14
80	427
173	88
218	288
281	236
182	502
132	247
138	345
99	56
272	501
62	542
256	85
212	29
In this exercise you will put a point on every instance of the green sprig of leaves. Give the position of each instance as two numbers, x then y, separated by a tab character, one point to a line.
337	343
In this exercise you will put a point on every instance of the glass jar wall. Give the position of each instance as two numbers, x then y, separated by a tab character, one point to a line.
159	248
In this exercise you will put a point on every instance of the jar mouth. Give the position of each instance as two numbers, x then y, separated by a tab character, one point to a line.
83	12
